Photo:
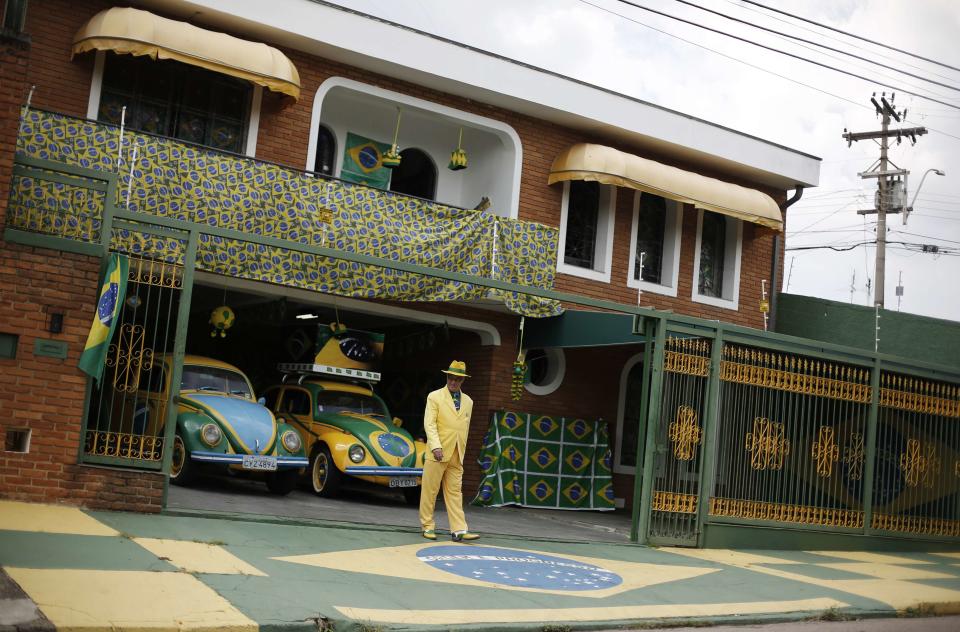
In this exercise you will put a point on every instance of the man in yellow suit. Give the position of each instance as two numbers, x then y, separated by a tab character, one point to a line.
446	421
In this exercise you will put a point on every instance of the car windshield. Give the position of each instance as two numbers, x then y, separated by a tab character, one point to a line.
339	402
208	378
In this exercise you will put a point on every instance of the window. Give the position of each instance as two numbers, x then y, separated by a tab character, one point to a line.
172	99
296	402
717	262
14	15
545	370
326	151
340	403
208	378
416	175
586	230
630	427
657	225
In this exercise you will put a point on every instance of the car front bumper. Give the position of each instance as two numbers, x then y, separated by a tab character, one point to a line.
283	462
383	470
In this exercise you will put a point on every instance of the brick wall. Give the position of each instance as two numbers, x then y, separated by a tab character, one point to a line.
46	395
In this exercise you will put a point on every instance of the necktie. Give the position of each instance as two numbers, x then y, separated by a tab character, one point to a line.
456	400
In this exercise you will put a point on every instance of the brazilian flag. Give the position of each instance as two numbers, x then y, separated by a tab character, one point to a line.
363	162
105	320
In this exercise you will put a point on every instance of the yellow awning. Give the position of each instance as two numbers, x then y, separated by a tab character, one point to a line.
597	163
136	32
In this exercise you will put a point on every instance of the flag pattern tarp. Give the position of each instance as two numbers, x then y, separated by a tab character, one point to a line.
363	162
546	462
105	319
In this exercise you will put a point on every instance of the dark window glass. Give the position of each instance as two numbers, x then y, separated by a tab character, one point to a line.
173	99
270	398
583	211
213	379
713	246
632	423
296	402
326	150
14	15
650	229
340	403
156	380
416	175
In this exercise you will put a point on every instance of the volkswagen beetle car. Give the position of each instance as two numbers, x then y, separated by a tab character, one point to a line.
348	432
221	424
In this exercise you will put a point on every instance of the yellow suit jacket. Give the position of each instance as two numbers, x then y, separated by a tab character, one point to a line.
447	428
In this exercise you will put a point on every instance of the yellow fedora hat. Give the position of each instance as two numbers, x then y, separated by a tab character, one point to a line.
457	368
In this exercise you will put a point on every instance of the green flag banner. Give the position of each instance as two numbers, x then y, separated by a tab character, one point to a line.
105	319
363	162
546	462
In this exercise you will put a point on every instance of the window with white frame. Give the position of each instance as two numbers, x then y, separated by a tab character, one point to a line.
655	234
172	99
586	230
716	266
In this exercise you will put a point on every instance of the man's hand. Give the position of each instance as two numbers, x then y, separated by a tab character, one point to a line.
438	454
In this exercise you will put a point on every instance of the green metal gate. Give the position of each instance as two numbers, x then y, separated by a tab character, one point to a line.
127	416
679	442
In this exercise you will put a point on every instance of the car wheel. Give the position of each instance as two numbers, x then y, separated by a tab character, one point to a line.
282	483
324	475
412	496
182	469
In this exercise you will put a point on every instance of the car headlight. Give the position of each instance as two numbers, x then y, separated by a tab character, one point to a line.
291	441
357	453
211	434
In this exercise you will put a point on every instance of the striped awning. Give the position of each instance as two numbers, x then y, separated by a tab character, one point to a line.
135	32
598	163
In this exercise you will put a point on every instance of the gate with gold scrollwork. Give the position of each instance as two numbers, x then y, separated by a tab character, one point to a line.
791	436
679	442
128	409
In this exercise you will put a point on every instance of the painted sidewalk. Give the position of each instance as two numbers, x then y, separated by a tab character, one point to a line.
101	570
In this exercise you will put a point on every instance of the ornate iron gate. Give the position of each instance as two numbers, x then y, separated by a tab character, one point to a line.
679	442
791	439
127	413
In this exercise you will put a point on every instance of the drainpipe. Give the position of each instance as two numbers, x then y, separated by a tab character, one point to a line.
776	255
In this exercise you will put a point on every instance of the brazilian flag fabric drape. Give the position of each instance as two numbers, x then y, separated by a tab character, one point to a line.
109	302
545	461
363	162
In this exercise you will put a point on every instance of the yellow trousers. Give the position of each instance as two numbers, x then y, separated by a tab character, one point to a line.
449	475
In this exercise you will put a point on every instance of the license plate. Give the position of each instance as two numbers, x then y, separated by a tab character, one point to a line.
403	482
256	462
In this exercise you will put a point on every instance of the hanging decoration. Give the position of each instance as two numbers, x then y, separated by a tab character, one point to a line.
518	377
222	319
458	159
391	159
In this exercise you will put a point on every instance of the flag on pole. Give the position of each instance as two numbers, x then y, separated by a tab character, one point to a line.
105	320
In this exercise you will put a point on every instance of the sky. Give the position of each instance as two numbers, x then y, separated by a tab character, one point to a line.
612	44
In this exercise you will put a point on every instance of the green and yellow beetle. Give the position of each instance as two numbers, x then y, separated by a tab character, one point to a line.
347	431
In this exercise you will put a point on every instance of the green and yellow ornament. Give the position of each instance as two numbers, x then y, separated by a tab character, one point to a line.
458	159
222	319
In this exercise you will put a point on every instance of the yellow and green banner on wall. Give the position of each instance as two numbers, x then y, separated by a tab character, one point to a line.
544	461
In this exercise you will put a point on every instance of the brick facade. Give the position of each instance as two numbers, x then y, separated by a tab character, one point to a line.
34	281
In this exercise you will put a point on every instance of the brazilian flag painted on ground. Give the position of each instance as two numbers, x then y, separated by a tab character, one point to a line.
105	320
545	461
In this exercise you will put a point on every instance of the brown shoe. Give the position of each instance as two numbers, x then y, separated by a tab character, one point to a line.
464	536
430	534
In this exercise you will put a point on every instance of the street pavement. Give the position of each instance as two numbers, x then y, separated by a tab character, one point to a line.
194	570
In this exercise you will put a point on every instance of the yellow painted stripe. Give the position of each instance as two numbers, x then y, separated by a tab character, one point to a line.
887	571
17	516
198	557
607	613
95	601
723	556
865	556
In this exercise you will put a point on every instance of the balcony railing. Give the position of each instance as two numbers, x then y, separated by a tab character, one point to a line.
71	172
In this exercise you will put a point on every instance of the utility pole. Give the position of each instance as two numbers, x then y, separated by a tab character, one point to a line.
891	194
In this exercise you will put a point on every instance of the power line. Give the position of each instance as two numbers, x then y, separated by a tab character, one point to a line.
782	52
825	26
806	41
835	39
